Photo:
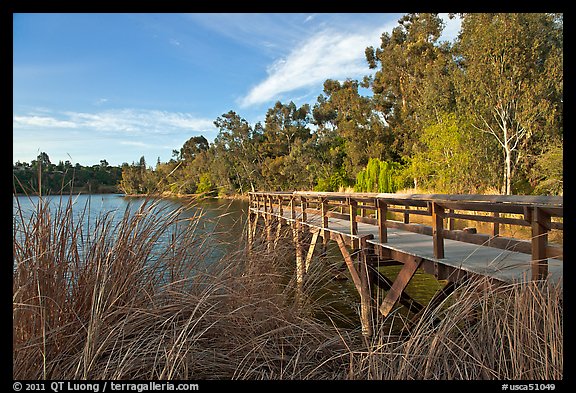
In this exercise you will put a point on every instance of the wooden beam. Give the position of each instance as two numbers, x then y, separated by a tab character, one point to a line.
349	262
381	212
304	206
300	268
406	300
437	230
496	225
451	220
353	223
324	213
278	232
402	280
540	225
365	271
311	251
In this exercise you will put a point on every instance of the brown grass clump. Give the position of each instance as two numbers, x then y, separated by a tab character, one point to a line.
113	302
510	333
136	297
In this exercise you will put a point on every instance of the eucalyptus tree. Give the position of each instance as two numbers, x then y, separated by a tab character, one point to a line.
412	84
510	82
284	146
343	115
235	150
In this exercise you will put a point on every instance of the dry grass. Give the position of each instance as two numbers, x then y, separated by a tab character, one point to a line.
514	332
136	299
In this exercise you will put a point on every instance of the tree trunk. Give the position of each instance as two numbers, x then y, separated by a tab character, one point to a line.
508	174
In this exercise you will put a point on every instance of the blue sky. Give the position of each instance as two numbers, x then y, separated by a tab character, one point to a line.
88	87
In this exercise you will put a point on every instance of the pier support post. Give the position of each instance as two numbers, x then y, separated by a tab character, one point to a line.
300	268
310	253
362	285
366	272
251	230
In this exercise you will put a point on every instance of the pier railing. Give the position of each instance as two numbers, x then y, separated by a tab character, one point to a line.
540	213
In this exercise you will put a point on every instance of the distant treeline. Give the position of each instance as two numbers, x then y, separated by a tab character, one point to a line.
481	114
64	177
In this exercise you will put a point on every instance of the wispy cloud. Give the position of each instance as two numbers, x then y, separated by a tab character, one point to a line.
309	18
101	101
41	121
328	54
136	143
124	121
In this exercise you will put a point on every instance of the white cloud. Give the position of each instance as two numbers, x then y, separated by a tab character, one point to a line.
136	143
41	121
328	54
101	101
125	121
309	18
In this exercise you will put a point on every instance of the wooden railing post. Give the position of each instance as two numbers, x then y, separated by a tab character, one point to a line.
353	205
280	207
451	220
271	199
407	215
323	212
382	211
495	225
540	225
437	230
304	206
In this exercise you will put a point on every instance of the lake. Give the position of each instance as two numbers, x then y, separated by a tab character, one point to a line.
223	223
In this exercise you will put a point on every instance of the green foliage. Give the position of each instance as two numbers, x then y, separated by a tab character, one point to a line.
334	182
205	185
64	177
548	172
380	176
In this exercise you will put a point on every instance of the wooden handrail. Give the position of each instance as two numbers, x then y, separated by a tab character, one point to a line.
535	211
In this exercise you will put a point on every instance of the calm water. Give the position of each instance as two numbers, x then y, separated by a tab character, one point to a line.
223	221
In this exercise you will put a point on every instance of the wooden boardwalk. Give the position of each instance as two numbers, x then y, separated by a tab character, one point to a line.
361	222
501	264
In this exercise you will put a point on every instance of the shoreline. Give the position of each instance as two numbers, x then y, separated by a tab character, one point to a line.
167	194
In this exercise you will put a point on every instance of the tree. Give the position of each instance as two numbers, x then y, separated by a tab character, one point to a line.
453	157
284	125
192	147
236	147
510	79
342	112
412	83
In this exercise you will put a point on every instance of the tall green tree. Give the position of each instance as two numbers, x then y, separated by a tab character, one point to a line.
412	84
351	117
236	148
510	79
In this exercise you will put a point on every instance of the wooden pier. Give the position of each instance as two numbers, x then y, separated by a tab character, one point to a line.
360	223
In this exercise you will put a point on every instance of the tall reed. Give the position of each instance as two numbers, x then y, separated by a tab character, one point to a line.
135	298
